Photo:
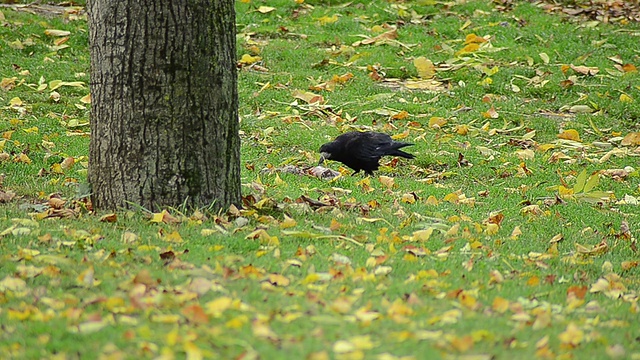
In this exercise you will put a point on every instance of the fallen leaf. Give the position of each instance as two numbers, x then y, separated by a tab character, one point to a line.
426	69
53	32
265	9
569	134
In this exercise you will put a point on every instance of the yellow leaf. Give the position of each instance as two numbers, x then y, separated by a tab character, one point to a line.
425	67
279	280
8	83
451	197
22	158
14	284
580	181
218	306
248	59
465	25
488	71
432	200
265	9
288	223
17	45
581	109
311	278
174	237
422	235
365	184
166	318
54	84
545	147
469	48
72	83
572	336
468	301
473	38
343	347
157	217
16	101
408	198
328	20
57	169
89	327
492	229
544	57
87	279
400	136
462	129
500	305
129	237
569	134
485	82
192	351
307	96
278	181
624	98
85	99
437	122
592	182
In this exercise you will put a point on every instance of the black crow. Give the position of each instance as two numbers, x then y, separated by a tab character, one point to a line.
362	150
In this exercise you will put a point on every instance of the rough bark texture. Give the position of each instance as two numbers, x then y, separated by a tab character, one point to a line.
164	116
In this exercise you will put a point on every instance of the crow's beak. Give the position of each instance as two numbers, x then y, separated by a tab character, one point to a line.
323	157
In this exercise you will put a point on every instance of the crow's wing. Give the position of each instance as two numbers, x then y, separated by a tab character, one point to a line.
370	146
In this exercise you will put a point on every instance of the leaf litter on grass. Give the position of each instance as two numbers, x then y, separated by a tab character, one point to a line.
513	232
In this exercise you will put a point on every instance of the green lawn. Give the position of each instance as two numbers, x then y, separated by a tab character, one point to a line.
511	235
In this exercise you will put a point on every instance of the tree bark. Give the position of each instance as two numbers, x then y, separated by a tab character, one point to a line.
164	114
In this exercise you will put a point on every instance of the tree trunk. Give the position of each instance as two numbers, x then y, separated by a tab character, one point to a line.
164	114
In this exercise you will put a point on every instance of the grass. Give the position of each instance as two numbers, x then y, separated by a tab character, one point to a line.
507	257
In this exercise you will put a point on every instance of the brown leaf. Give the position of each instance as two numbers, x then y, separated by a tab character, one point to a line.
578	291
56	203
389	35
144	278
111	218
585	70
195	314
308	97
631	139
6	196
